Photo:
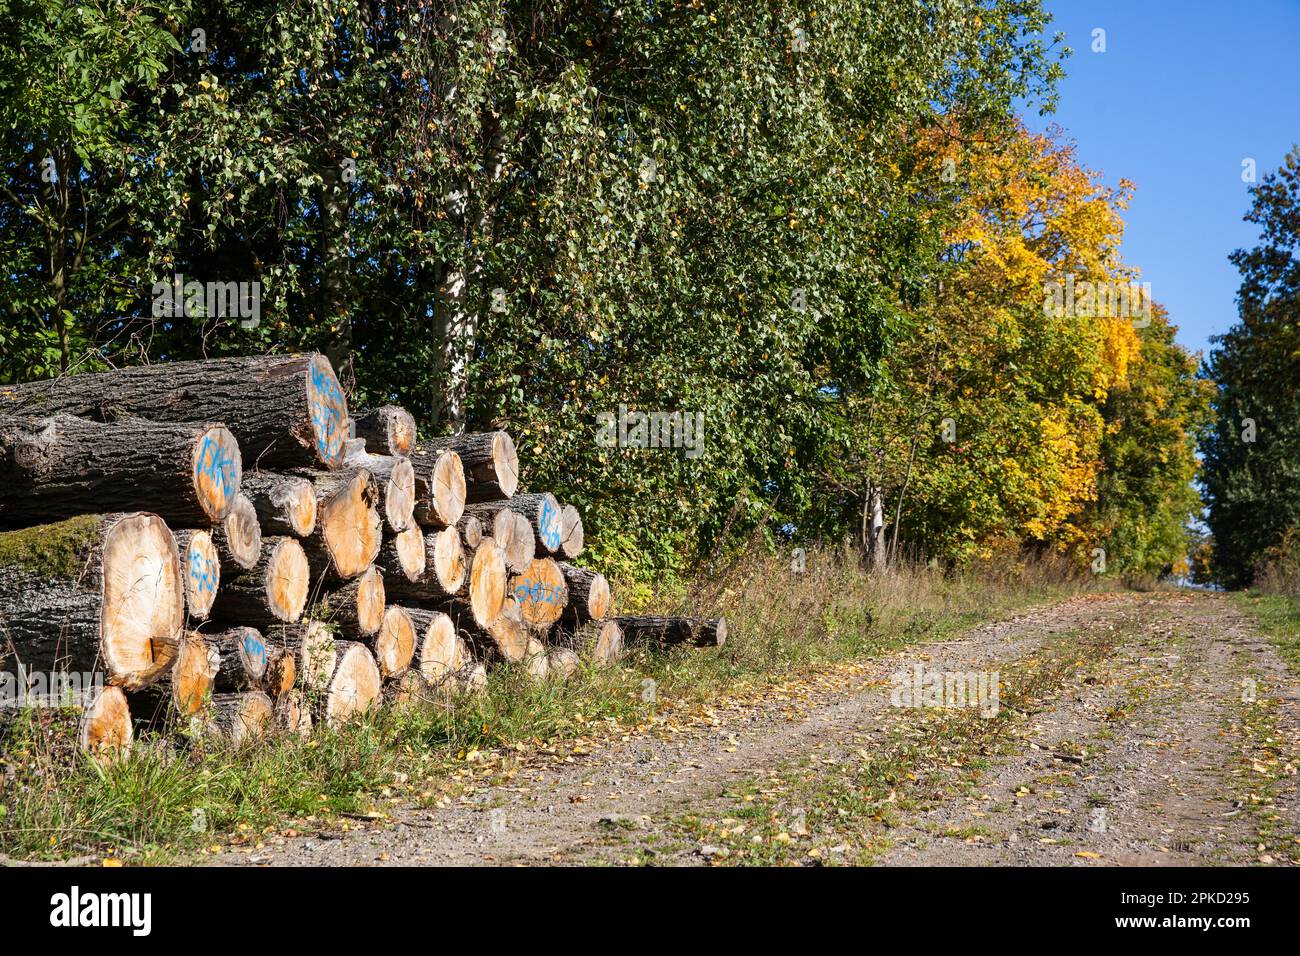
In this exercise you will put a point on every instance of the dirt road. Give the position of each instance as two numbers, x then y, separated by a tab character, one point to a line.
1127	729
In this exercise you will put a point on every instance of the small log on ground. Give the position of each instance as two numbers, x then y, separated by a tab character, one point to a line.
349	530
239	718
394	643
285	504
283	409
537	664
572	539
561	662
293	713
435	656
439	488
96	719
406	689
357	607
600	642
471	531
541	592
186	687
395	479
588	593
273	591
652	629
354	685
201	566
388	430
444	570
96	592
312	646
238	537
473	678
512	532
488	460
403	556
105	730
54	468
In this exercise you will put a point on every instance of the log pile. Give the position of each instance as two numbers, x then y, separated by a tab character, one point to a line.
229	553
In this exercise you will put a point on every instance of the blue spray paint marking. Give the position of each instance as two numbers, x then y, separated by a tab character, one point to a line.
549	526
539	593
203	573
255	650
214	463
325	416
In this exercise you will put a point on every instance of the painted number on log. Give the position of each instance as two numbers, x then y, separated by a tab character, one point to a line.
539	592
255	651
216	464
203	573
548	526
328	411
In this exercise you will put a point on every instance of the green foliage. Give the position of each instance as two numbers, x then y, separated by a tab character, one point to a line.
1252	451
50	550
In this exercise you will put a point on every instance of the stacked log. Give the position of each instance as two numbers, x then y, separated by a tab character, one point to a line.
334	574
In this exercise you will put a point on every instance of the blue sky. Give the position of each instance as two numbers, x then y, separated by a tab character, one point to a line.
1184	92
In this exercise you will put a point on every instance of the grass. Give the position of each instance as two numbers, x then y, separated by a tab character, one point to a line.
172	797
1278	616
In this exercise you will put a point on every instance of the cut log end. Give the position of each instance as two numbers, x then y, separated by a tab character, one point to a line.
193	674
394	643
541	591
239	536
293	713
105	730
314	652
202	567
217	469
355	685
487	583
506	462
448	560
288	577
572	538
448	488
436	645
143	607
389	430
328	408
239	718
350	525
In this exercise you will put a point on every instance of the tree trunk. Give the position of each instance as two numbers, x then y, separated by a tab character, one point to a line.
572	539
94	593
601	642
243	660
354	685
284	410
273	591
439	488
285	504
242	717
389	430
543	514
238	538
512	532
444	570
488	460
187	686
57	467
356	609
349	530
395	478
588	593
541	592
201	566
402	556
650	629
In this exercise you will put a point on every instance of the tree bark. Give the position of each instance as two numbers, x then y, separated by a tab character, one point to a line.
388	430
436	653
354	685
471	531
293	713
241	717
273	591
243	660
651	629
284	410
94	593
543	514
285	504
54	468
201	566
